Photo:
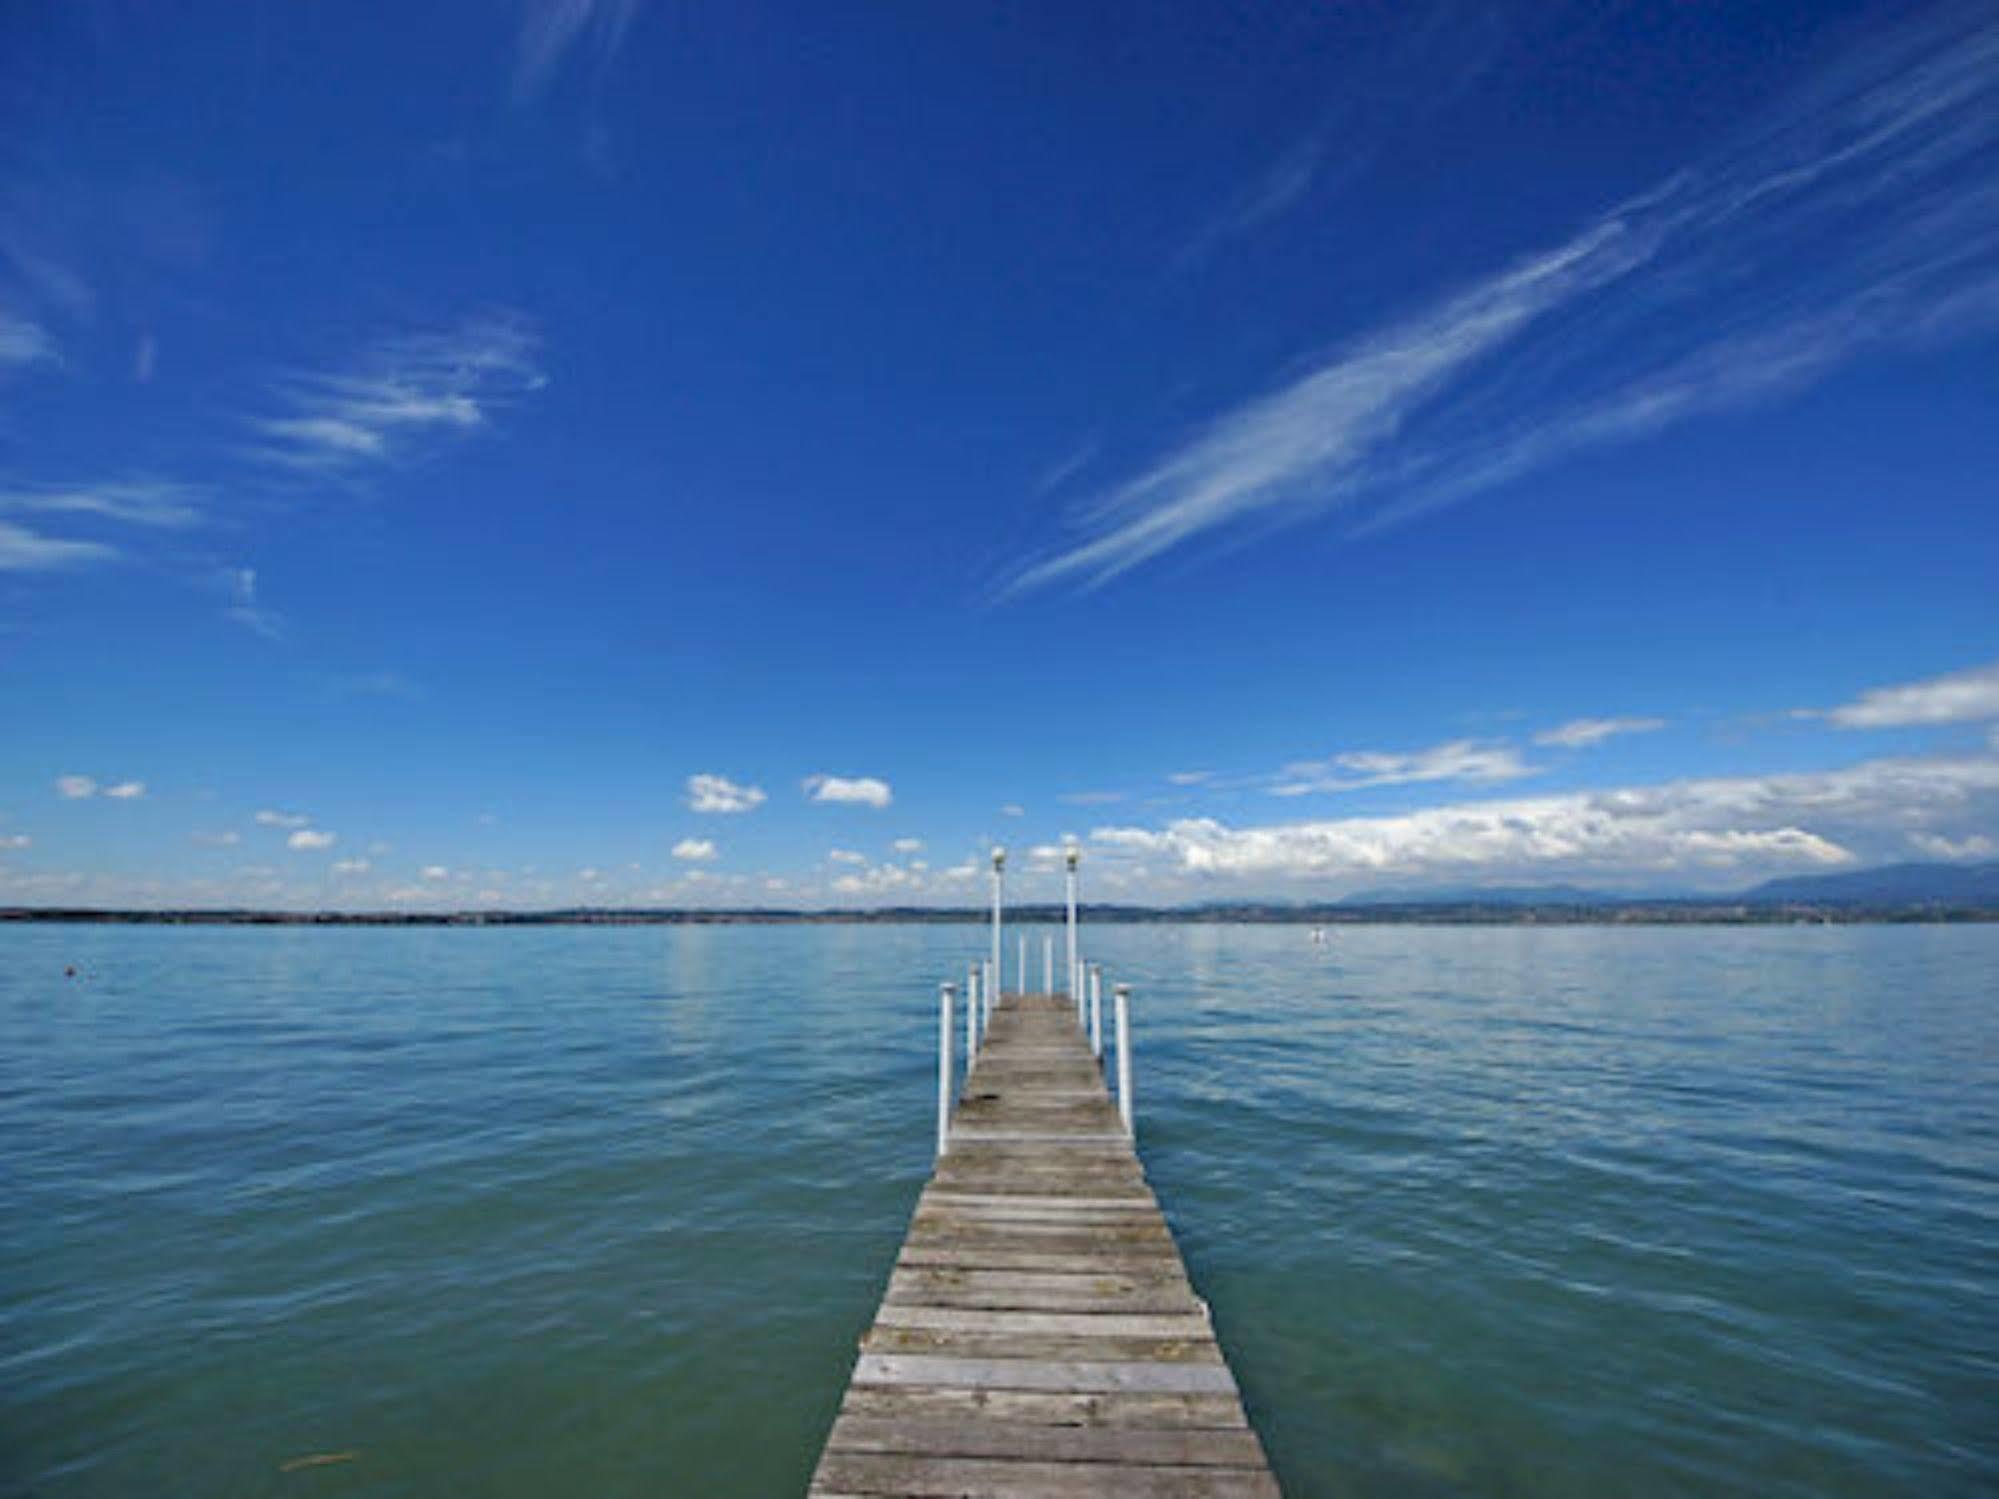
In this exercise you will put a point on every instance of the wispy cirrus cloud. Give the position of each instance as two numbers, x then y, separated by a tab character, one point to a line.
27	551
400	396
240	583
99	508
158	503
1857	213
23	343
551	28
1469	760
1968	696
1280	188
1582	733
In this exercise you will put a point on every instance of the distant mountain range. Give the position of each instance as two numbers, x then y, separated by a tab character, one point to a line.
1894	892
1487	895
1889	885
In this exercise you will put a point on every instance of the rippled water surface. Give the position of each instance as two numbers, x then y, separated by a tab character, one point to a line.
601	1211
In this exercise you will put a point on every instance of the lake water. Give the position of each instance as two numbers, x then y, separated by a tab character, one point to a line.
602	1211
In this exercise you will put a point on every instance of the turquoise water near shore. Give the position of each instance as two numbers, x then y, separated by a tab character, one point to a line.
601	1211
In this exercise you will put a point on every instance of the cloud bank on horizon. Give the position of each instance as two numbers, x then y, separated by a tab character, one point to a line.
1690	834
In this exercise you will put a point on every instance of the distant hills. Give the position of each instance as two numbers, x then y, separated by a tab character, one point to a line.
1487	895
1889	885
1957	885
1893	892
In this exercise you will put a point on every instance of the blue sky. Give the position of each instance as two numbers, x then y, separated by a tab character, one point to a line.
596	451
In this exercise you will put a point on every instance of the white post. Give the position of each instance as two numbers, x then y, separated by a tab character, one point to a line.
1047	965
944	996
987	993
1096	1011
1075	989
971	1019
999	870
1122	999
1023	962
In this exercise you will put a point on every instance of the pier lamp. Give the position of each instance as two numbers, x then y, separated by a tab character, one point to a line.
999	877
1071	857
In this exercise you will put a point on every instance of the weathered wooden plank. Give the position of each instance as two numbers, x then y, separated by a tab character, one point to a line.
998	1478
1075	1208
1105	1324
1105	1227
1156	1260
1075	1246
1040	1139
1082	1376
1012	1289
959	1343
930	1437
1062	1408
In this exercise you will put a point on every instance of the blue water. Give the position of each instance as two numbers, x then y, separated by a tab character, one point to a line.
601	1211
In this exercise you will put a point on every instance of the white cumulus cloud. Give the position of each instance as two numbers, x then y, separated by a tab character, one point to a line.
712	793
1699	829
75	788
310	840
126	791
695	850
1968	696
862	791
272	819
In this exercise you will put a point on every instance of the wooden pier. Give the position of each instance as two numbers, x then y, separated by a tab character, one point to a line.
1039	1336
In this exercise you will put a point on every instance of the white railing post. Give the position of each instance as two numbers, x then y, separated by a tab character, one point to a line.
1076	989
988	992
971	1019
1096	1010
945	993
1047	965
1122	998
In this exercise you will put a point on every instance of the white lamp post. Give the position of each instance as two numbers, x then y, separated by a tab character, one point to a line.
999	874
1073	857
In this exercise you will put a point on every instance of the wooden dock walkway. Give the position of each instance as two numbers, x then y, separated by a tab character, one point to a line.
1039	1336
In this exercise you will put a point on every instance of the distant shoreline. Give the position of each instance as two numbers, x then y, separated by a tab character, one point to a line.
1449	913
